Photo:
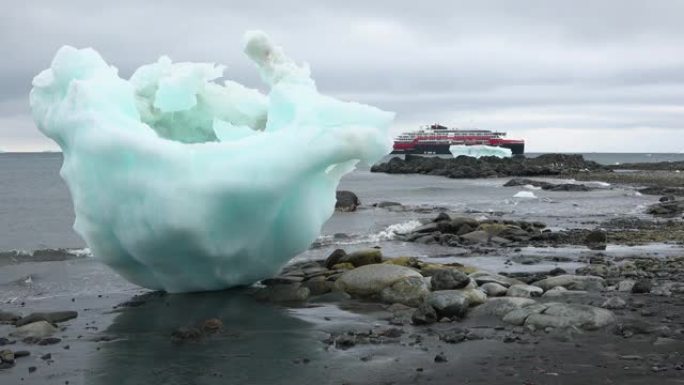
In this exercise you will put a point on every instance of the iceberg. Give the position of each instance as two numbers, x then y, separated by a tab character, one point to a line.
525	195
478	151
181	183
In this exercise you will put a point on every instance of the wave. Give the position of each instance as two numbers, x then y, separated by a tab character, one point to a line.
389	233
43	255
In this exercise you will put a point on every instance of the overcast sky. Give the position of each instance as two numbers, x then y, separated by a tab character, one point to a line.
599	75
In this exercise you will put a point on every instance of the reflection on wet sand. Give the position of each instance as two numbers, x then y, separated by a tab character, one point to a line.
258	344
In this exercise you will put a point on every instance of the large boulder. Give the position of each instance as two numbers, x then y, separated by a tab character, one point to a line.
346	201
561	315
449	303
409	291
448	279
370	280
572	282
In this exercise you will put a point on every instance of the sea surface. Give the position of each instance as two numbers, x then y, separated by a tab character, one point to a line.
36	212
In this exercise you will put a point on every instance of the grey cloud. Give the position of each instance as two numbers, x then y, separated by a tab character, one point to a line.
614	64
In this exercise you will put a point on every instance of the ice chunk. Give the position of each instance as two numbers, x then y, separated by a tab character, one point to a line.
525	195
184	184
478	151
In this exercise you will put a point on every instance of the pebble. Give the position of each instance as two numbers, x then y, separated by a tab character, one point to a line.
440	358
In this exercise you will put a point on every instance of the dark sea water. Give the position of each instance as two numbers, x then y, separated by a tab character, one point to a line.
36	211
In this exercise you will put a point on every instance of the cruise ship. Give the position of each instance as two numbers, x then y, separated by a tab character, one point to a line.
436	139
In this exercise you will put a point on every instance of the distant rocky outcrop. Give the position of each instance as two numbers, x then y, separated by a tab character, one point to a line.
547	185
485	167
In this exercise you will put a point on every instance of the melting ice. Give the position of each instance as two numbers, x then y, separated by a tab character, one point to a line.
478	151
183	183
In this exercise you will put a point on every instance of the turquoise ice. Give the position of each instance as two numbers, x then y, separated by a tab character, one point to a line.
182	183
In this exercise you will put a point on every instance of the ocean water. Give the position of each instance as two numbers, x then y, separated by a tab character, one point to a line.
36	212
614	158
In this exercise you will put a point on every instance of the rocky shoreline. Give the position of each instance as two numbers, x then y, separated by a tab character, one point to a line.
489	167
627	301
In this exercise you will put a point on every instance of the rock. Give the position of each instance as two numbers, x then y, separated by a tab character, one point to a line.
8	317
524	291
51	317
212	325
558	315
409	291
475	296
449	303
448	279
405	261
482	277
493	289
526	259
626	285
282	280
38	329
370	280
318	285
283	293
596	240
346	201
614	303
386	204
343	266
667	209
362	257
185	334
7	356
560	291
557	271
526	182
502	305
442	216
334	258
518	316
480	236
440	358
424	315
642	286
572	282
